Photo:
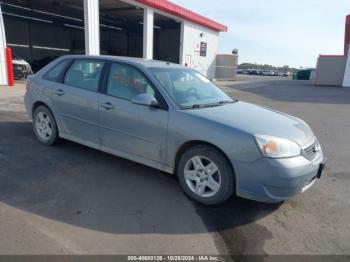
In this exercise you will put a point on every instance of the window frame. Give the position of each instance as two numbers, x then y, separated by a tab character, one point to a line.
100	81
104	85
59	78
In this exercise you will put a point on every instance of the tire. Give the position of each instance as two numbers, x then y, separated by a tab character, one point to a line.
44	126
197	174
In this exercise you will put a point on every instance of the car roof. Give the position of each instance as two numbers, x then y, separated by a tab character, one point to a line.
130	60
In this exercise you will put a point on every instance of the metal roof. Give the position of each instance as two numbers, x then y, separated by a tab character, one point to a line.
179	11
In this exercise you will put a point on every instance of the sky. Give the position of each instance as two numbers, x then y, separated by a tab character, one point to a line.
277	32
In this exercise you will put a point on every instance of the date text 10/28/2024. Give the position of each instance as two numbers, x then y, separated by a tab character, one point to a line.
173	258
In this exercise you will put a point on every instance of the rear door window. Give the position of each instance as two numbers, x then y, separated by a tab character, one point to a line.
84	74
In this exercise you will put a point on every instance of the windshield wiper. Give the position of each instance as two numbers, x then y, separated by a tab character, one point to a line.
227	101
199	106
222	102
196	106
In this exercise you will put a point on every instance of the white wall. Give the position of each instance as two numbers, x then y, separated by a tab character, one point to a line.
191	40
346	81
3	67
330	70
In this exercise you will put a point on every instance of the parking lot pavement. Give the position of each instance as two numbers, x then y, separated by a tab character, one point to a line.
70	199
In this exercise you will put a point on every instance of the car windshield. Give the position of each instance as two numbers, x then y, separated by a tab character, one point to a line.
15	57
190	89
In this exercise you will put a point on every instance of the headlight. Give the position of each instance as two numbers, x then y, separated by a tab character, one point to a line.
318	147
276	147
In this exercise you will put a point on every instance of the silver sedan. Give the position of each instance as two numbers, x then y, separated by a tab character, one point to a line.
174	119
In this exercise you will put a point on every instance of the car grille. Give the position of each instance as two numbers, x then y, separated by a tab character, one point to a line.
310	152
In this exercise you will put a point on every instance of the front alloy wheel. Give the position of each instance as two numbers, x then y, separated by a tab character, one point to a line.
206	175
202	176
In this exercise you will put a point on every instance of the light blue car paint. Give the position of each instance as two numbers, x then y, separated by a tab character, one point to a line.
153	136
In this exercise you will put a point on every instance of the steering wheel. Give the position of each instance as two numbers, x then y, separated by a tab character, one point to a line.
192	92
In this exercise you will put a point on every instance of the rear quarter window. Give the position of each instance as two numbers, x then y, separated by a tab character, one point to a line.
54	73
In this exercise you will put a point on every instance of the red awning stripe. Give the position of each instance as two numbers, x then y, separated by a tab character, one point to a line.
179	11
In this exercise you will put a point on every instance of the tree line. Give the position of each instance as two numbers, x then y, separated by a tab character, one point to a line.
266	67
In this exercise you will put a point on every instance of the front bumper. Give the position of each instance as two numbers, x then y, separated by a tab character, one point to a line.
22	73
275	180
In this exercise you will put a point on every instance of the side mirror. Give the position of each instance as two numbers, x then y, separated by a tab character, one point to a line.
145	100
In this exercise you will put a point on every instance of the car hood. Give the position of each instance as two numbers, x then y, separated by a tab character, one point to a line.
19	62
254	120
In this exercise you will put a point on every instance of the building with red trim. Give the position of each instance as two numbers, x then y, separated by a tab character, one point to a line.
39	31
334	70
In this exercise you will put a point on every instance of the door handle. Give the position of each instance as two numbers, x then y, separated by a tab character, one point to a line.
107	106
59	92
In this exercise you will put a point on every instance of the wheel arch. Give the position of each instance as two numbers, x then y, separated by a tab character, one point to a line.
41	103
193	143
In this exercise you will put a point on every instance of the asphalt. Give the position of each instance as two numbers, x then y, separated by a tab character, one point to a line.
70	199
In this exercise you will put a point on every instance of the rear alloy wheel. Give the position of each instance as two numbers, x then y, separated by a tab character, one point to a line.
44	125
206	175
